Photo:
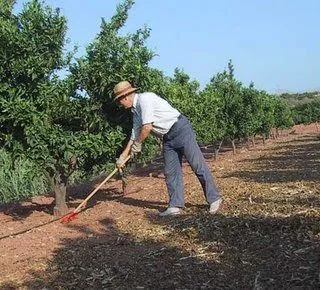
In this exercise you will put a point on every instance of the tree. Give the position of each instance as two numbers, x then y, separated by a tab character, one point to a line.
306	113
31	47
111	58
210	121
43	116
229	92
252	117
182	92
283	116
267	117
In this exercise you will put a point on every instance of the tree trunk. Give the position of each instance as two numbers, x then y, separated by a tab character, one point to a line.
61	208
253	142
233	146
59	187
248	143
263	139
216	150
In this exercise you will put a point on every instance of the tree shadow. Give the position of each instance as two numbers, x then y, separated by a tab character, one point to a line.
107	194
84	188
76	193
22	210
153	204
115	195
153	168
306	201
196	252
150	204
261	252
295	161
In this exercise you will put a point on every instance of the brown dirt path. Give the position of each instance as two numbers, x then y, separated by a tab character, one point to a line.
267	234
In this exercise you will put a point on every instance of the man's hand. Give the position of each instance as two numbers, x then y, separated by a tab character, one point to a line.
136	147
120	161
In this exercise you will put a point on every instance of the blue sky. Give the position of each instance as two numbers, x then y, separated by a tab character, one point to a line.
274	43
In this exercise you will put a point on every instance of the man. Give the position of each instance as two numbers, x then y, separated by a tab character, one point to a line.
152	114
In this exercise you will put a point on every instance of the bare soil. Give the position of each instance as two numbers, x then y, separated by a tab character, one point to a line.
266	235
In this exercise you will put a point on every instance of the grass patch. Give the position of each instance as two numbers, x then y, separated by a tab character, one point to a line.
20	179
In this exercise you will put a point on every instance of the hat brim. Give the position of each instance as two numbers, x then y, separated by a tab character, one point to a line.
125	93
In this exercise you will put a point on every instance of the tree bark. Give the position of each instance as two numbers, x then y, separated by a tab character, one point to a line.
248	143
253	142
216	150
61	208
59	187
233	147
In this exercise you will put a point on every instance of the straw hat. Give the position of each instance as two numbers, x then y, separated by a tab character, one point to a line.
122	89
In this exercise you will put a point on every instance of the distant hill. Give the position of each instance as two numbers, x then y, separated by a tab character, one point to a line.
296	99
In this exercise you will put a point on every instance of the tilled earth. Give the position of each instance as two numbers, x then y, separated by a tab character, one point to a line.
266	235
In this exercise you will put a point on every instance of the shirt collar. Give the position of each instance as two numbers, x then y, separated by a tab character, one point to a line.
135	101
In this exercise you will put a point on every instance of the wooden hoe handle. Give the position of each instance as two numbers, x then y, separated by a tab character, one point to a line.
99	186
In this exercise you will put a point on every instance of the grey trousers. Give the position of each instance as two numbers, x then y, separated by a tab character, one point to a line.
178	142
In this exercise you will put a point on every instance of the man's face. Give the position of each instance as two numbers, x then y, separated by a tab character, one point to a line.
125	101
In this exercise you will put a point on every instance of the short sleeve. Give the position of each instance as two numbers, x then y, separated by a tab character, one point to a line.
147	109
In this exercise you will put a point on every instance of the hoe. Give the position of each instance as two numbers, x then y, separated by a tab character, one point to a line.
73	215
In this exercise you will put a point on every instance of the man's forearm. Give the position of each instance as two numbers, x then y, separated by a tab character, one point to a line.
144	132
126	150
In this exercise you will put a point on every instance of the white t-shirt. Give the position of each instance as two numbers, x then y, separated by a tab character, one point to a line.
149	108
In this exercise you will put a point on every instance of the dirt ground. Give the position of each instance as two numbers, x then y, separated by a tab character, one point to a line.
266	236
